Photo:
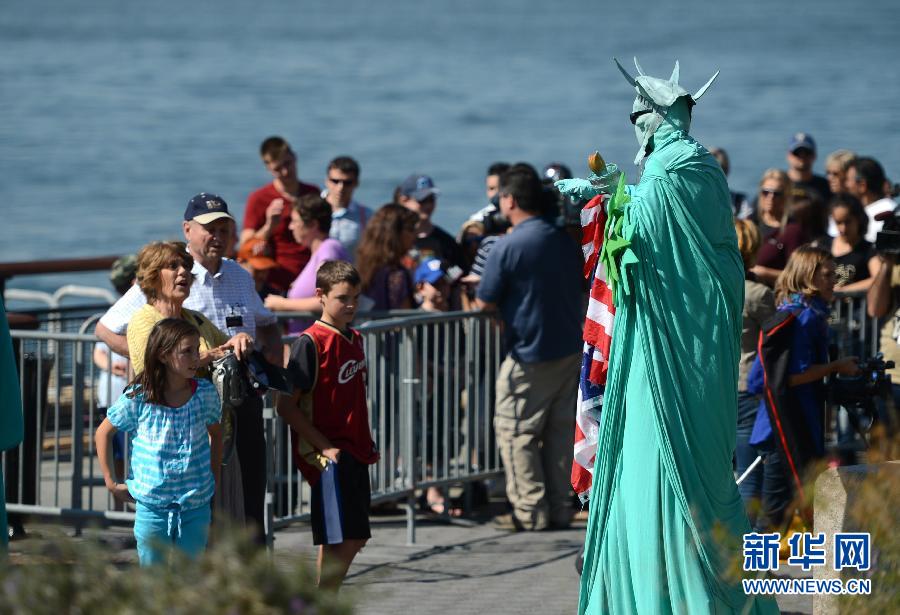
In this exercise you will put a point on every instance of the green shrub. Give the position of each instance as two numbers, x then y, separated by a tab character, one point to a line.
65	576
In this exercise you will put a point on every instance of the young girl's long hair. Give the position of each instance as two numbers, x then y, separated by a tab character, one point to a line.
163	340
800	271
381	243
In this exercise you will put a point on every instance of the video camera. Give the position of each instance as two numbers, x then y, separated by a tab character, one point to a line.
888	239
557	206
858	394
495	223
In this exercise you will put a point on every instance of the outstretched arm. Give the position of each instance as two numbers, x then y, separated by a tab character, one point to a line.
878	299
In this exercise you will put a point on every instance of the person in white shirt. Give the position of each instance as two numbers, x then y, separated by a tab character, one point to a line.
866	181
225	293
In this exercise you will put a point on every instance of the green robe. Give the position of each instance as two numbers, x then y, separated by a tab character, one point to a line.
666	520
10	410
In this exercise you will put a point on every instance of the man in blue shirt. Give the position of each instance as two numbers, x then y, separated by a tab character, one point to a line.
533	278
348	217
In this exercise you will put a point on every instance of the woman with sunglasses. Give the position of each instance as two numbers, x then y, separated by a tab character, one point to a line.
780	235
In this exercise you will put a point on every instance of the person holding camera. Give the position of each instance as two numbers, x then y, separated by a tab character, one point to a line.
805	288
533	279
882	299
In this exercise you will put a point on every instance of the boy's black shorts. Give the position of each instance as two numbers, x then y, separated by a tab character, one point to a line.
340	502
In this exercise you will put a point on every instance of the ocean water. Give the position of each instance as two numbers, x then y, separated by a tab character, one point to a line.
114	114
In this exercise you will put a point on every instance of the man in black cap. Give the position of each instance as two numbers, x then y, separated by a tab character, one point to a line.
225	293
417	193
800	158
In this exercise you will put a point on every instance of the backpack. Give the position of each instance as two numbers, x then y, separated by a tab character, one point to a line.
793	439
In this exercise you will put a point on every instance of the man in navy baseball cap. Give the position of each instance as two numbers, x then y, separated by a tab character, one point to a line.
418	187
417	193
801	156
205	207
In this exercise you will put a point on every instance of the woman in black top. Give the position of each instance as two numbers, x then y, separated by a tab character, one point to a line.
854	257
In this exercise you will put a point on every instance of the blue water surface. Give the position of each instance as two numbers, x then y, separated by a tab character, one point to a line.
115	113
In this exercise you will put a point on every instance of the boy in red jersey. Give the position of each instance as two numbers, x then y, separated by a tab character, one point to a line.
333	444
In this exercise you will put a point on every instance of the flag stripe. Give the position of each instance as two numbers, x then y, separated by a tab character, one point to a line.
598	328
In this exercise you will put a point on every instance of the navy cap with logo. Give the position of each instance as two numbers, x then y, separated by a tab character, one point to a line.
419	187
802	140
206	207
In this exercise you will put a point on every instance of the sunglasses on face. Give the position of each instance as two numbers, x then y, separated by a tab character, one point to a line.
773	193
634	116
342	182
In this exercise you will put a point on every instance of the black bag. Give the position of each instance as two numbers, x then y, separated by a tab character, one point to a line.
262	375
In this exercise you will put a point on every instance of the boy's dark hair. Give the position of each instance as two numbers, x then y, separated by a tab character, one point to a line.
498	168
870	170
313	208
163	339
274	148
335	272
345	164
521	181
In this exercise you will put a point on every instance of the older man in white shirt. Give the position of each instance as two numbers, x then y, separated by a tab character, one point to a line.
225	293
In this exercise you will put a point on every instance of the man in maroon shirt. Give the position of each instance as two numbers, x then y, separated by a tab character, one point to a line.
266	215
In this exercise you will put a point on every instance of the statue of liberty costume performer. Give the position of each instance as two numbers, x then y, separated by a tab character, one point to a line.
666	520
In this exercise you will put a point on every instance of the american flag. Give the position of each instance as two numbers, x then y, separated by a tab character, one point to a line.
598	326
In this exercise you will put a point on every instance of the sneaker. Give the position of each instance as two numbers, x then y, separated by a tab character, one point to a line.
508	523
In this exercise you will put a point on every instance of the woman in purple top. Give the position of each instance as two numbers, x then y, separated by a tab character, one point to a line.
310	224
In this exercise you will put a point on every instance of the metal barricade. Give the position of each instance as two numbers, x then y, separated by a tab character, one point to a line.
855	332
430	396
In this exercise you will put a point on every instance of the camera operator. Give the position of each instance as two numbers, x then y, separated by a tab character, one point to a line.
883	299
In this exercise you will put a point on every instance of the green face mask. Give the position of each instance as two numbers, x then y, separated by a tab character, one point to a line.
659	102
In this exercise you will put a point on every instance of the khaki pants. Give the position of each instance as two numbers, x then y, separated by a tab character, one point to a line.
534	423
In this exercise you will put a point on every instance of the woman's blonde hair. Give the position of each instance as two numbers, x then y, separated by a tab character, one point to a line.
156	256
787	186
843	157
799	273
748	241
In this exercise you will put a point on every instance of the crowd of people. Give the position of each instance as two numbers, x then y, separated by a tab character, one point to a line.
805	240
302	249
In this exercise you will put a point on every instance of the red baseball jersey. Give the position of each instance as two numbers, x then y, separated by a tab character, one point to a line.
337	403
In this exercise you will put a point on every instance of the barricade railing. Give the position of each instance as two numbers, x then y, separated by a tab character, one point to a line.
430	395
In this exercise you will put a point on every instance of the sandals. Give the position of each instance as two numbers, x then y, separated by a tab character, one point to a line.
434	502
